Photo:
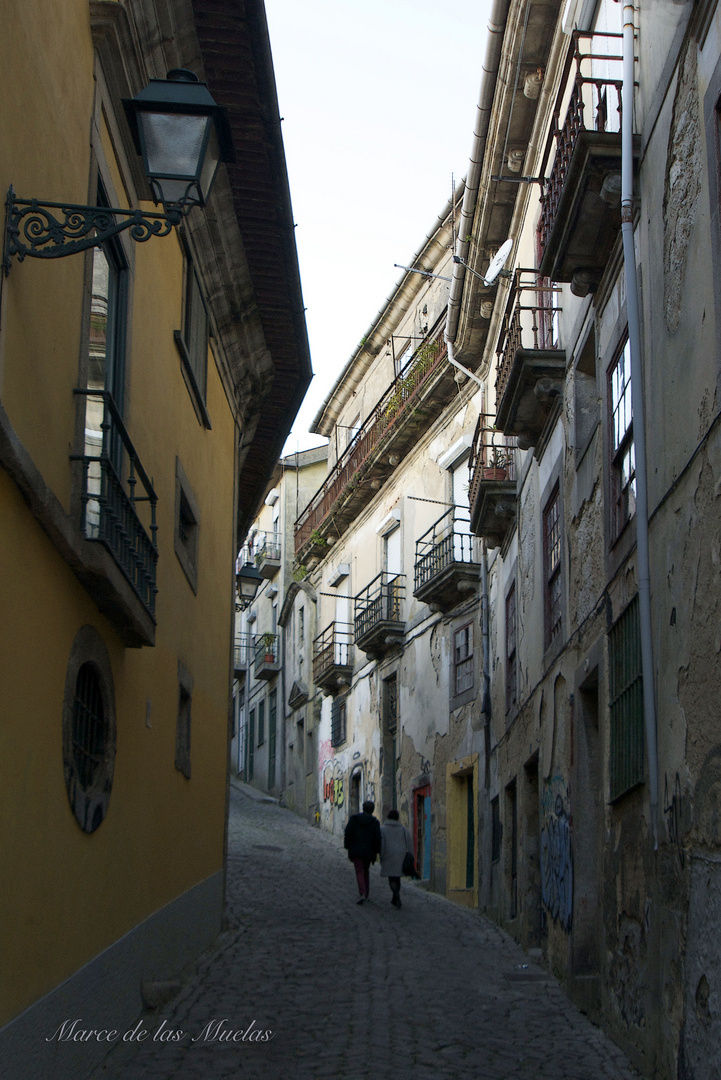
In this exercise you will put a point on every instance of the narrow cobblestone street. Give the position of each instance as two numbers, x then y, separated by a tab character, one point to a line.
353	992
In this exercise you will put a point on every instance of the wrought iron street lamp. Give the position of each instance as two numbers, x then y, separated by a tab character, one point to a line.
182	135
248	580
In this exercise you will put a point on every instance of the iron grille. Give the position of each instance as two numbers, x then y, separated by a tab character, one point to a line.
626	702
110	504
379	602
332	648
448	541
595	105
90	730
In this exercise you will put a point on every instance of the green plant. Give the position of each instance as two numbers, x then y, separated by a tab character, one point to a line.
300	573
317	539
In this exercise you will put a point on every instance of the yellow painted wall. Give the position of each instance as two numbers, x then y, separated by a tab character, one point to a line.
67	895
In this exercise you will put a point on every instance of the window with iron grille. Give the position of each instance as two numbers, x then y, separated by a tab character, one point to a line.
511	648
272	721
626	702
390	704
338	722
552	566
89	729
623	456
463	658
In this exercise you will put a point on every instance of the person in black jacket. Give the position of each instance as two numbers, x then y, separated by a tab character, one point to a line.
363	843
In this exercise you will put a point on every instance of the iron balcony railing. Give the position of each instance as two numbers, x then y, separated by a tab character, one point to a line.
595	105
492	457
448	541
379	602
530	322
110	502
395	404
266	546
332	648
265	648
242	650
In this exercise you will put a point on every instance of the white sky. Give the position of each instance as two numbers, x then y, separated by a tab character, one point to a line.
379	104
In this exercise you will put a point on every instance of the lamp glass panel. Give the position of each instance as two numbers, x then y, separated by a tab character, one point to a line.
211	162
173	143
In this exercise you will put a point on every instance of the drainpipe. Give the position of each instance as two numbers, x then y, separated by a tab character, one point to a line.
486	706
496	28
638	409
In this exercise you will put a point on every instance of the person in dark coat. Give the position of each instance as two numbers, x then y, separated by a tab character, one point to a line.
395	842
363	843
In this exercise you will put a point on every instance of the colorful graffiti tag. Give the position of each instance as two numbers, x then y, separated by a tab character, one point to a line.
333	783
556	860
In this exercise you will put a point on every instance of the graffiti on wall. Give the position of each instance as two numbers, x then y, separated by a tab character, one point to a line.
333	783
672	808
556	860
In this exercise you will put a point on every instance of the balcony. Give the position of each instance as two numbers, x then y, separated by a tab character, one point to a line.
378	624
531	367
580	203
492	490
333	657
266	652
267	554
111	504
446	568
242	651
409	406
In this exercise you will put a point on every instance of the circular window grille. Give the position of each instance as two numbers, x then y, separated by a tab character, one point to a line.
89	729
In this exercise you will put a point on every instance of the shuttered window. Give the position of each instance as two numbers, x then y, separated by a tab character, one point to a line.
338	722
626	702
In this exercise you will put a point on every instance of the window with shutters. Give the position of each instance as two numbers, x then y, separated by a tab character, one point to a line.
625	694
511	689
552	566
192	340
338	722
272	734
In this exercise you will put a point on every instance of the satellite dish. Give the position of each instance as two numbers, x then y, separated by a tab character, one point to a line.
496	264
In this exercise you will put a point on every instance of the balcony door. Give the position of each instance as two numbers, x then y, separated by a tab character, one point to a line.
462	539
342	621
393	566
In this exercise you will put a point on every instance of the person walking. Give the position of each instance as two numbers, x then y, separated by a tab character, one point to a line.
395	842
362	841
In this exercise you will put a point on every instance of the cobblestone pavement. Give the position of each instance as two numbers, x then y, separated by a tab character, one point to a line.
353	992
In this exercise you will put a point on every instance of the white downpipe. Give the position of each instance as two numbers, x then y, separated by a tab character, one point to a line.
465	370
638	409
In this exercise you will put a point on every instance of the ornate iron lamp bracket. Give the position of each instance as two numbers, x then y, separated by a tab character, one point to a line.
33	229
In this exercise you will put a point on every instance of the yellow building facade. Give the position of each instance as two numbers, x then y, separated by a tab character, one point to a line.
142	410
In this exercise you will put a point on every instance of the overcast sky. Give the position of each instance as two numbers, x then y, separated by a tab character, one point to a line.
379	103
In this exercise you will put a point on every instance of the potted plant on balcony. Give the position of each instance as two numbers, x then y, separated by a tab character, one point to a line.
496	466
268	642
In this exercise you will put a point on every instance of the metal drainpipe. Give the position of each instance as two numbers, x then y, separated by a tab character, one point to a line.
638	409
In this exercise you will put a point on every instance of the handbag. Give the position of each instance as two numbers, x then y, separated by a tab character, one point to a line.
409	865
